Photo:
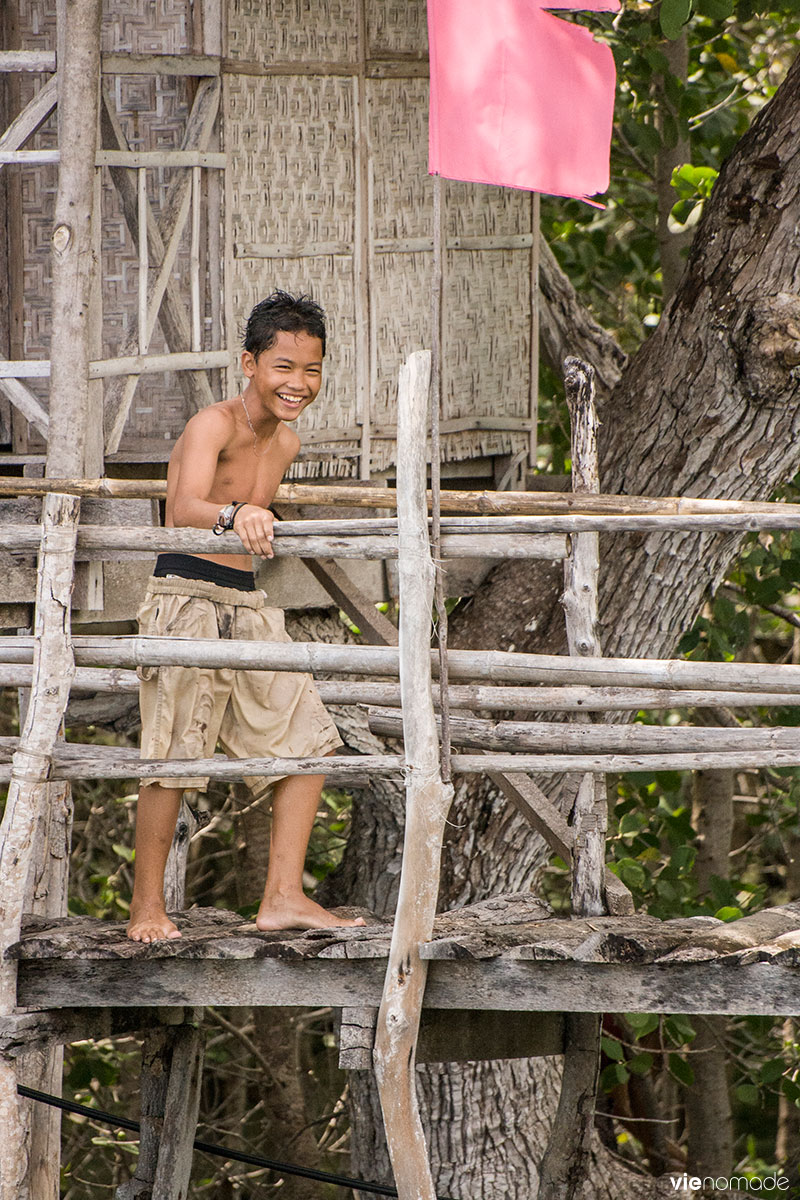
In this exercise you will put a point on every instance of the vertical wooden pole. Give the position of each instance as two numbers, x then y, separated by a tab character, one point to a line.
72	261
14	226
212	44
427	803
197	326
566	1161
53	669
144	263
362	240
87	591
533	442
581	572
437	395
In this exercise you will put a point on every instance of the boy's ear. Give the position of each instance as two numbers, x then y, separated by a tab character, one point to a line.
248	362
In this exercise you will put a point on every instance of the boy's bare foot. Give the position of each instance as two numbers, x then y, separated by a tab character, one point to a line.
297	911
151	925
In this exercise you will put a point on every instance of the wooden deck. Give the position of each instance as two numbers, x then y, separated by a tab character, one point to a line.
508	953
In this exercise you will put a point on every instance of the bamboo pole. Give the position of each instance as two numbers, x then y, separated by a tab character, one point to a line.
91	762
499	666
461	696
484	503
427	804
53	666
119	541
557	738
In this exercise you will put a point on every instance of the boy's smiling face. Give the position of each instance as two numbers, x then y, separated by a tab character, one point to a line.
287	377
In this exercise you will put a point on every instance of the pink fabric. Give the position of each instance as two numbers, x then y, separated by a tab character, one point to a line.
520	97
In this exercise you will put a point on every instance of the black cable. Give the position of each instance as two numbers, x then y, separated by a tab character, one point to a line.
251	1160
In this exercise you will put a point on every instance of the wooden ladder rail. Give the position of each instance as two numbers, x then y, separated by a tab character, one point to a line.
428	802
565	1164
53	669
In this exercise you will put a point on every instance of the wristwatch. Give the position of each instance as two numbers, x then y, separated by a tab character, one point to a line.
226	517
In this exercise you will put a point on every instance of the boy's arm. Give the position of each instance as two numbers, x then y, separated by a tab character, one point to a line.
203	440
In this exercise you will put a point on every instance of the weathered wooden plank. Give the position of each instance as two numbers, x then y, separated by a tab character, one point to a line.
713	987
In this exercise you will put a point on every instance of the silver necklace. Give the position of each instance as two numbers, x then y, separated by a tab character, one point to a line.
270	439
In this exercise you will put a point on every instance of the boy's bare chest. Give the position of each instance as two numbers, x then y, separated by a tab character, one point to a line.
243	475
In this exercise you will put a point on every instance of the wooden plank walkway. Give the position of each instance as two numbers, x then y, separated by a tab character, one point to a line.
507	953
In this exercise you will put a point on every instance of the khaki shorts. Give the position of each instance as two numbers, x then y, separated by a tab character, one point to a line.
186	711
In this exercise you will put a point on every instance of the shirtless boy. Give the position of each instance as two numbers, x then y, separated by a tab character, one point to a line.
223	473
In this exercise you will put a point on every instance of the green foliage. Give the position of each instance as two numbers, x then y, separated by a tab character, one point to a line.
737	54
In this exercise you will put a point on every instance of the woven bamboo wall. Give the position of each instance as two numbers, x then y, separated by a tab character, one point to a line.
301	178
153	112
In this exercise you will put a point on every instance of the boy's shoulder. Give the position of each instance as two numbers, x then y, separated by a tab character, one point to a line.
217	421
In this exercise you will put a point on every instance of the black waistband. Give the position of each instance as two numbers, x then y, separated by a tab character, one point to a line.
187	566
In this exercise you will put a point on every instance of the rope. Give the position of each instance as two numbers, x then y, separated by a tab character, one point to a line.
251	1160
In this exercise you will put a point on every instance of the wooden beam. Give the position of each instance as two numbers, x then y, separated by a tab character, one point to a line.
124	63
374	626
502	984
33	115
27	404
460	1036
27	60
546	819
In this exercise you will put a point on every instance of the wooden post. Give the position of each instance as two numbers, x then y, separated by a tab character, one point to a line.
363	280
437	396
428	802
533	439
52	672
73	260
566	1160
581	571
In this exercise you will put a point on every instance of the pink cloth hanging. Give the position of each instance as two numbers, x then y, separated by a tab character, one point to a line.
520	97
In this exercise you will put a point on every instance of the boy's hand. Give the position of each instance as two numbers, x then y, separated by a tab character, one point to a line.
254	526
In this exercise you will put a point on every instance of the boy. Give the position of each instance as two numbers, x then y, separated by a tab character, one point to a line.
223	473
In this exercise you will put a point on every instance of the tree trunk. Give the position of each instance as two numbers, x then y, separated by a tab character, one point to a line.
709	406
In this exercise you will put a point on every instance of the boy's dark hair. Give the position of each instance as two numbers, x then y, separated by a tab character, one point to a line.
282	312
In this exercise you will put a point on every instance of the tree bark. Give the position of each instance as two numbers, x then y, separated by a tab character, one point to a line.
709	406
